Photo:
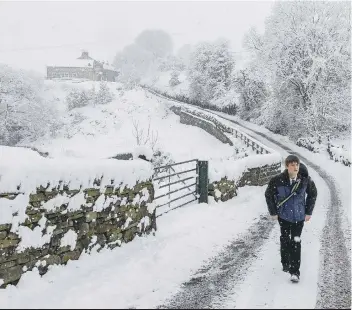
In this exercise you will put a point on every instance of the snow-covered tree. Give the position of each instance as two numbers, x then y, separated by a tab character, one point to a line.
104	94
24	114
198	70
228	102
174	81
252	93
210	71
305	51
78	98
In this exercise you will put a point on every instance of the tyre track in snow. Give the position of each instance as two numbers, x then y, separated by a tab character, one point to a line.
334	285
226	269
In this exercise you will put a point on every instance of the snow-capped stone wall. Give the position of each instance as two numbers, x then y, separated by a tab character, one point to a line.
226	188
194	119
53	233
52	222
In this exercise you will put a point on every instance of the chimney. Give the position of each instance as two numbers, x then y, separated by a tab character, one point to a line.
84	55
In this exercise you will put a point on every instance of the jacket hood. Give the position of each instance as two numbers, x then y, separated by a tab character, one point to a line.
303	170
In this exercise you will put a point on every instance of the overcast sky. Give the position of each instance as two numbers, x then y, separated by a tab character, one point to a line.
33	34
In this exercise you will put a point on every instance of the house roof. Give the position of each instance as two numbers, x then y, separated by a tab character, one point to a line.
84	61
76	63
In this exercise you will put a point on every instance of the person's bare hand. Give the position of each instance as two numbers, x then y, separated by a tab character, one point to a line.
274	217
307	219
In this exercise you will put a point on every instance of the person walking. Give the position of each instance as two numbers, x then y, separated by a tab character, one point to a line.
291	197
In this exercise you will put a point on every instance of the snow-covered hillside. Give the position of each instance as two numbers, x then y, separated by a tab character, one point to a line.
103	131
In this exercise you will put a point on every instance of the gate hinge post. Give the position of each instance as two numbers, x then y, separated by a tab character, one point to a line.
203	181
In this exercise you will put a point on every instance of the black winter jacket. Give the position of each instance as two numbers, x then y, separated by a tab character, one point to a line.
301	204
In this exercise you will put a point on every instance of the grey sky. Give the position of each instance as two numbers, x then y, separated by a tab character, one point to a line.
30	31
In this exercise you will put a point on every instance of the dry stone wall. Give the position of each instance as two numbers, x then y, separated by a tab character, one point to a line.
194	119
225	189
107	218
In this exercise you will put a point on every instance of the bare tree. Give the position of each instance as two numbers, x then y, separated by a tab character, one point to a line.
149	138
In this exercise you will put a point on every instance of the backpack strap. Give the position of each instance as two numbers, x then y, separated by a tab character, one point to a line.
293	191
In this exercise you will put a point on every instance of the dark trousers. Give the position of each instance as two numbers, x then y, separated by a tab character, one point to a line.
290	245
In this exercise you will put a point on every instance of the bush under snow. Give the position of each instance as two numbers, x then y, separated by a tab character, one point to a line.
78	98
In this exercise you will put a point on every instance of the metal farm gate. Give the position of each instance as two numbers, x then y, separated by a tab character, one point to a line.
179	184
